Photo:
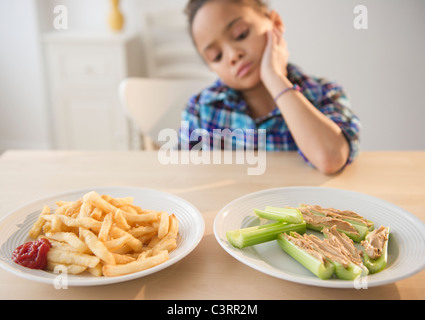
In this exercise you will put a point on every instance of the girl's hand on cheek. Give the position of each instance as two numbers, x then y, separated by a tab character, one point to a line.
275	58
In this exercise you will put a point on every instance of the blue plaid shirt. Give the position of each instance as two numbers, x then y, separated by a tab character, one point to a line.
220	107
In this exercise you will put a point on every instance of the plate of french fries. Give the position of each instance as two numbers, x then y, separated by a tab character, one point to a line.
103	235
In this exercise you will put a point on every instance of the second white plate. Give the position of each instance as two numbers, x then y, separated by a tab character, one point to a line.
406	247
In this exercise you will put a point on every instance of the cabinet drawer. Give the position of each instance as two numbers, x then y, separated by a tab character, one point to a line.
85	65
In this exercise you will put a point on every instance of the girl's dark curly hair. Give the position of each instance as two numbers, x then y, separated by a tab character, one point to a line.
193	7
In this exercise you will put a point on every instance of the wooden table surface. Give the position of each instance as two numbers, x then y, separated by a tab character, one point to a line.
208	272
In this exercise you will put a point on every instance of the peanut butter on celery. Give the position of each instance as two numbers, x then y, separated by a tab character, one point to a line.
374	243
316	220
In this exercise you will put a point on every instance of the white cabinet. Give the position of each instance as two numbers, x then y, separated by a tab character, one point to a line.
84	72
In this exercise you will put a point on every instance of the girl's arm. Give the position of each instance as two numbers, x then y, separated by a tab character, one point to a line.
319	138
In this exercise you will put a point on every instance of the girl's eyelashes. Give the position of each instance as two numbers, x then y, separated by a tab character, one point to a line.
217	58
242	35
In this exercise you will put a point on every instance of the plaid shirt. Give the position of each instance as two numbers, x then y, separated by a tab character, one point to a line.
220	107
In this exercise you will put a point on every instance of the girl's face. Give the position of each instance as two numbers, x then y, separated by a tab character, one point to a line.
231	38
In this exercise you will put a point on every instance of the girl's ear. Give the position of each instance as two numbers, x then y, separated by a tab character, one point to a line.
277	21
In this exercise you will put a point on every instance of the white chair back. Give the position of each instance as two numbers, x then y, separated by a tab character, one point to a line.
155	104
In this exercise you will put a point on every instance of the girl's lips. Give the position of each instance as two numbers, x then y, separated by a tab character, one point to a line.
244	69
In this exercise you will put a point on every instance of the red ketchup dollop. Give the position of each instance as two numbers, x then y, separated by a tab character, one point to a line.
33	254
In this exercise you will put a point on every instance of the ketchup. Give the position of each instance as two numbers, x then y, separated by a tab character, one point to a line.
32	255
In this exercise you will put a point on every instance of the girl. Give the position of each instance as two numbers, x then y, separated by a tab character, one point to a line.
242	42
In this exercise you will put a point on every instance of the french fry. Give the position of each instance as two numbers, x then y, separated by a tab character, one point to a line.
66	257
96	214
96	271
70	268
106	227
47	227
38	225
61	245
123	258
129	209
120	221
74	209
174	227
134	243
69	238
138	209
62	209
135	266
154	241
141	218
85	210
85	222
168	245
56	224
94	198
118	202
126	249
118	243
164	224
97	247
147	238
141	231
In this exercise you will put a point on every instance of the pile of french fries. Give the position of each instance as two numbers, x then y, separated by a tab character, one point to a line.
106	236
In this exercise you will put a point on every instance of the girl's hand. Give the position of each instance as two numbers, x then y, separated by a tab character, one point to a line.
275	59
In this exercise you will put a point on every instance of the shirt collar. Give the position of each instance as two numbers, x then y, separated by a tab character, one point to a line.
220	92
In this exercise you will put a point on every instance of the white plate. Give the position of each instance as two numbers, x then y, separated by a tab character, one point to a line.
15	226
405	249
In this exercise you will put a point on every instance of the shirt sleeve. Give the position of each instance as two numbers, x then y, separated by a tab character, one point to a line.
332	101
336	106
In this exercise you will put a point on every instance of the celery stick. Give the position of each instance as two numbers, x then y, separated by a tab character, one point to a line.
377	265
323	270
363	231
255	235
289	215
354	222
352	272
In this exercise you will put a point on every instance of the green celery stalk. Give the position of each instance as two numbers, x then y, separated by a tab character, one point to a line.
289	215
246	237
354	223
363	231
352	272
377	265
323	270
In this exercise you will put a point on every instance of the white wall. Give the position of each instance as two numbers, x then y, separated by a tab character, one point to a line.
23	112
381	68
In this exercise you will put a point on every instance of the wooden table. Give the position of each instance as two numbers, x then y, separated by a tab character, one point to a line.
208	272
